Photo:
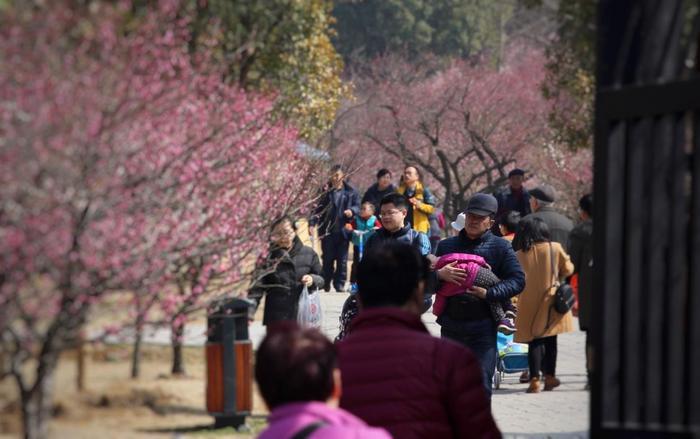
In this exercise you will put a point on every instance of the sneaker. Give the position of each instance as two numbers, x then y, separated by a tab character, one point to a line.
524	377
510	309
506	326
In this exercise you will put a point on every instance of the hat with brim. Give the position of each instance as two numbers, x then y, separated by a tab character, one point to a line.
543	193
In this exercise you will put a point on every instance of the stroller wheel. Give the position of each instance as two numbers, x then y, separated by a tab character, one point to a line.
497	378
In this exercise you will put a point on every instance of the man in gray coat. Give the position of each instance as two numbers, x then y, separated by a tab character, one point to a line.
542	200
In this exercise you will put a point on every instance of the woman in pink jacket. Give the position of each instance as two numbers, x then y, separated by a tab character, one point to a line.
298	378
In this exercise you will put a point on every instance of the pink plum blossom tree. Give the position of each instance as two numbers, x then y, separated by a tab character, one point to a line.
122	154
465	125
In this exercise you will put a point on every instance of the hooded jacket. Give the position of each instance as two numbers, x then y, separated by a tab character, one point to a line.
469	263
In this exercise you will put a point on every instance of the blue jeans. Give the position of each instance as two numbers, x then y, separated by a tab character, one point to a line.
480	337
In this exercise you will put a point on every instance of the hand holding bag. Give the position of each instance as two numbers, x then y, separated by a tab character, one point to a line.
309	314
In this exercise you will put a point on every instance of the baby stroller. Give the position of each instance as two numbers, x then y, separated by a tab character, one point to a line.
512	358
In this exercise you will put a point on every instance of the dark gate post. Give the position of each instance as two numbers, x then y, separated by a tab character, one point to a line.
646	381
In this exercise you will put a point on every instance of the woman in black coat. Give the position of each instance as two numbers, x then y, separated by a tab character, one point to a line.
281	277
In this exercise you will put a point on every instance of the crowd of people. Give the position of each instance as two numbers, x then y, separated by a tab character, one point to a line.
500	272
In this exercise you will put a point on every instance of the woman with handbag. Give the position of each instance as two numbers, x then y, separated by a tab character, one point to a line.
282	275
542	306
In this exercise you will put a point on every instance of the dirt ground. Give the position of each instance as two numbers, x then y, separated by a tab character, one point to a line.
112	405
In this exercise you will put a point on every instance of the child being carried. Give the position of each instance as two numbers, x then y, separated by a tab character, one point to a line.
478	274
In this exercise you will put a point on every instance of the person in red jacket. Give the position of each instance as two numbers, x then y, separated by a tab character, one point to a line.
395	374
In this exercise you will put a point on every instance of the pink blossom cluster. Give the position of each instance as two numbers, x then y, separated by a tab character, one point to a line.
122	157
469	114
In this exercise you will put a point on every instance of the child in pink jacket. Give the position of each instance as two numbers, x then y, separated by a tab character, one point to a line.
478	274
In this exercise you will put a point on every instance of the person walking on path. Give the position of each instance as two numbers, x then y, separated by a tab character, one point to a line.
393	212
395	374
420	199
545	263
468	318
281	277
338	204
513	198
296	371
581	251
380	189
542	200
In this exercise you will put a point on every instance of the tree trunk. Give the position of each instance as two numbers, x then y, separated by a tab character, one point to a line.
136	351
36	406
80	378
178	332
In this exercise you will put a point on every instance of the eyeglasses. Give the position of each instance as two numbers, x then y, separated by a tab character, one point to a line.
389	213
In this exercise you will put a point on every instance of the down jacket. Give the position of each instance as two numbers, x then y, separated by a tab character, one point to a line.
399	377
499	254
279	279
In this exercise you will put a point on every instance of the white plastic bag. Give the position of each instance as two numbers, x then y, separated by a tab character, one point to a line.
309	314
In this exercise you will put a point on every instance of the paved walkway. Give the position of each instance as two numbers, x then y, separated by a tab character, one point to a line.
562	413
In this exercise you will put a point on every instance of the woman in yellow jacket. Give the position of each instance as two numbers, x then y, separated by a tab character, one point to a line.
545	263
422	203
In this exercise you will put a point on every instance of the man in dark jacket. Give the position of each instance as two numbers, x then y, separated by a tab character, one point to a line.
542	200
467	317
289	266
337	206
581	252
513	198
394	373
393	209
392	212
380	189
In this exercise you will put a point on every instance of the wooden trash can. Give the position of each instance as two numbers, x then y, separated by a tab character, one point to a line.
229	355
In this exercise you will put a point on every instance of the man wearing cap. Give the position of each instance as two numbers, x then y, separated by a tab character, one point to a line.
513	198
467	318
542	199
